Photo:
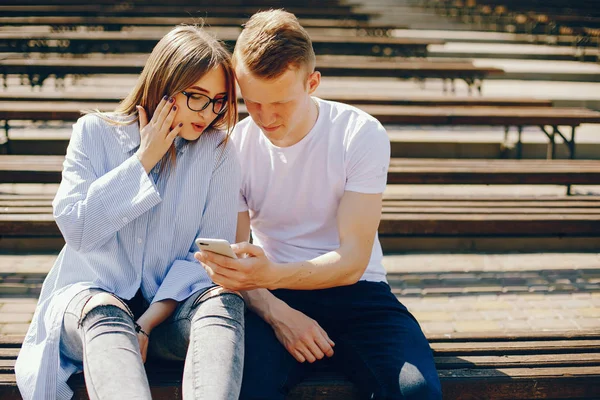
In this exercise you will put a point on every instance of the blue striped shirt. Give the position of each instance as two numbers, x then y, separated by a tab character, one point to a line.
126	230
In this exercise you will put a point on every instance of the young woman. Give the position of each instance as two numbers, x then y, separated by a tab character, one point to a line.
138	186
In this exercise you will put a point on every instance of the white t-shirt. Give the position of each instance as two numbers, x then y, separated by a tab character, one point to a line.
293	193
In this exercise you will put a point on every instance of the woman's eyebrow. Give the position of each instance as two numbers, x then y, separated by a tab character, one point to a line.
206	91
199	89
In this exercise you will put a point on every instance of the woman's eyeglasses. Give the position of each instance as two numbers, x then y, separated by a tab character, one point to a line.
198	102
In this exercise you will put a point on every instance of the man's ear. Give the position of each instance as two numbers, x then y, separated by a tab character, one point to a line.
314	80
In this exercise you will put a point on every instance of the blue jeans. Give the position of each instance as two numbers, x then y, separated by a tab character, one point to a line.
206	330
379	345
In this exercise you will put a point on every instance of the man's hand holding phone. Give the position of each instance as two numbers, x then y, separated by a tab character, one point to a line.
253	272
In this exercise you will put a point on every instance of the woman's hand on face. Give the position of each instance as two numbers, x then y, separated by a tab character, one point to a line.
157	135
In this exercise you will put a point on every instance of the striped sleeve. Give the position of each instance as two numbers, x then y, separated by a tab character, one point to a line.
219	221
88	208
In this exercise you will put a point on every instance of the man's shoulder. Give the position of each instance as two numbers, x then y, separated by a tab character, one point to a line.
351	121
347	116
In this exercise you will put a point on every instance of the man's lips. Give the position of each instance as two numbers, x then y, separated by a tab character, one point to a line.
271	129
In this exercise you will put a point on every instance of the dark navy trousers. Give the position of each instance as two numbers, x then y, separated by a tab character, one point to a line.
379	345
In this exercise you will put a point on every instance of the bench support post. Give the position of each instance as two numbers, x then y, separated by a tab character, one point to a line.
519	142
5	146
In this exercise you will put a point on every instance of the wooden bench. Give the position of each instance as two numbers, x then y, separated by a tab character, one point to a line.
493	366
66	23
38	70
393	99
403	217
128	9
549	18
548	119
129	42
408	171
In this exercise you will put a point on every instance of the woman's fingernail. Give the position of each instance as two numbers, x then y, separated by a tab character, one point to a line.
180	124
171	100
165	97
174	108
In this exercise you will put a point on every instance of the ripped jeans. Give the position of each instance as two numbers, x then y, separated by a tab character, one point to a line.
206	330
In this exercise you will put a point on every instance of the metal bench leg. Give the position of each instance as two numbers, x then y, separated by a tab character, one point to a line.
572	142
6	145
551	149
519	143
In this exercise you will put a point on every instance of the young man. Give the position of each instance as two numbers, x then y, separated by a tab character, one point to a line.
313	176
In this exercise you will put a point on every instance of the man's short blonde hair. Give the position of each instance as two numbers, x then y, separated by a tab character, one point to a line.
271	43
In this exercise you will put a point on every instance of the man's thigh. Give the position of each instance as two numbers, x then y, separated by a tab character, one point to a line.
379	345
269	369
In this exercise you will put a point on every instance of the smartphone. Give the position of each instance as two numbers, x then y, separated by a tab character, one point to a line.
219	246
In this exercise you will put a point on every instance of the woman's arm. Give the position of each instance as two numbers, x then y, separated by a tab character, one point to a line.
218	222
91	206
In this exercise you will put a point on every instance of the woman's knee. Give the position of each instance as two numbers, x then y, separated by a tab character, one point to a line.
220	302
101	300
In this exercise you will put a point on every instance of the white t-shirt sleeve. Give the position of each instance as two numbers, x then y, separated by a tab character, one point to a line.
242	203
368	159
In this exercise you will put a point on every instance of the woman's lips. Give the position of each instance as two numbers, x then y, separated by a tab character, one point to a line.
198	127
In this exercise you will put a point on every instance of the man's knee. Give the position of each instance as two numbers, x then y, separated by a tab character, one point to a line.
413	385
102	300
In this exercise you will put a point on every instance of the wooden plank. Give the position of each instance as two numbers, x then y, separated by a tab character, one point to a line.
129	42
47	169
164	10
396	225
443	226
133	65
25	210
515	347
522	336
117	22
465	362
348	98
518	361
513	211
450	204
386	114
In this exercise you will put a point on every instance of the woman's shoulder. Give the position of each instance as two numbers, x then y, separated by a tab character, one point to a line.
97	129
104	120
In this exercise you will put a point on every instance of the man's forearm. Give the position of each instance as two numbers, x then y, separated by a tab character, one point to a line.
336	268
263	303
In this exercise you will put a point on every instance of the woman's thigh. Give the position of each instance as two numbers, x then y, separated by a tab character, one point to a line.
170	340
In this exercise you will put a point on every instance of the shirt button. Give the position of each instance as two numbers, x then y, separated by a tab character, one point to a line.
125	219
139	240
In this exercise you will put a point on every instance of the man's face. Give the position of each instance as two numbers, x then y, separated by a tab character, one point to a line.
280	107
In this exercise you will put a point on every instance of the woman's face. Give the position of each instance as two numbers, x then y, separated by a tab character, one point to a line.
210	87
